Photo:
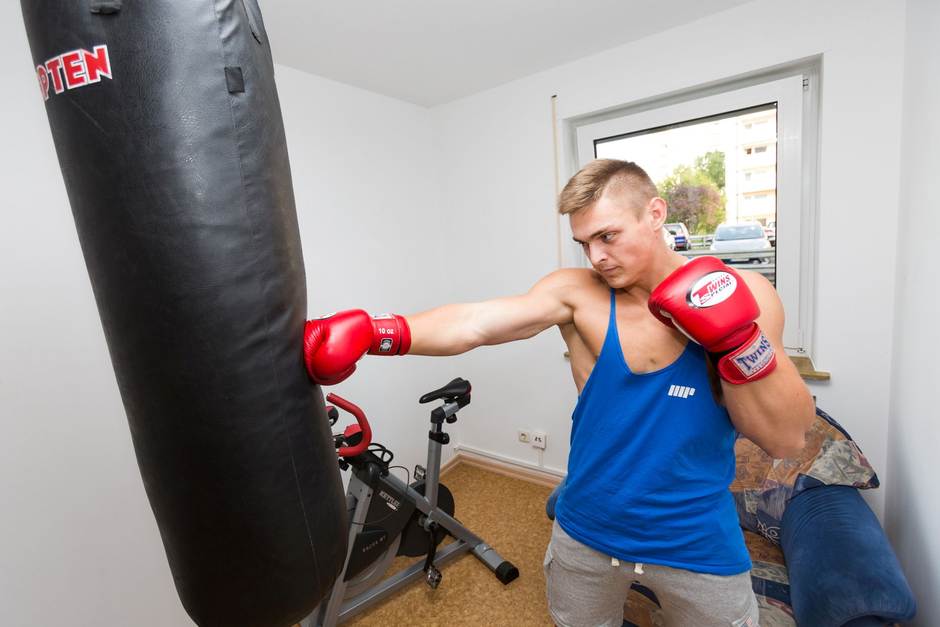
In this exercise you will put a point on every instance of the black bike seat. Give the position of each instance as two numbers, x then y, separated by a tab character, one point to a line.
457	387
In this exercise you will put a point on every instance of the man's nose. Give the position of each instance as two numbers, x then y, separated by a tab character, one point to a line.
596	254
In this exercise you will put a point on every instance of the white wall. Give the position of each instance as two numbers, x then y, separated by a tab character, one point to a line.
402	208
78	541
913	503
496	150
78	536
374	232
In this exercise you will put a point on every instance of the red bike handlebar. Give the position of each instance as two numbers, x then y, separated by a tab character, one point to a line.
358	449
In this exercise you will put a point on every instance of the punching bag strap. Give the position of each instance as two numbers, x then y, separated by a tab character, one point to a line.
105	7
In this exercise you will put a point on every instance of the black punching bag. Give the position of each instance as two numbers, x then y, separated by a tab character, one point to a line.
168	130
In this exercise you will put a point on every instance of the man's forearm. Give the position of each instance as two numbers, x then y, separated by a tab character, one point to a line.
455	329
445	330
774	412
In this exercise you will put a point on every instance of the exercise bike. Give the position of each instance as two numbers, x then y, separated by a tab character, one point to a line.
389	517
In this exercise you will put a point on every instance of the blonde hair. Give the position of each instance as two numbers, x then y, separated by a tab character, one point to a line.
603	175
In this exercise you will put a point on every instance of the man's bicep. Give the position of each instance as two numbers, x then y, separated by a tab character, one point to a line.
519	317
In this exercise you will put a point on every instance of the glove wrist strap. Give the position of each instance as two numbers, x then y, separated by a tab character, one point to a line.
753	360
390	335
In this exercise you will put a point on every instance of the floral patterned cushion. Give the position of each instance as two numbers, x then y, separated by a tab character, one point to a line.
763	486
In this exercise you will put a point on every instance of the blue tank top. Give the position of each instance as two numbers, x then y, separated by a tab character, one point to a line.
652	456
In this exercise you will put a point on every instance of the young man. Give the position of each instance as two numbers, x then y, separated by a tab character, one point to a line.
652	441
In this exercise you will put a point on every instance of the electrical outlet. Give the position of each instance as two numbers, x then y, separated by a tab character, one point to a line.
524	436
538	439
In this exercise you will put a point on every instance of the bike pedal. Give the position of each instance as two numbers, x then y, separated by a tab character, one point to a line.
420	472
433	577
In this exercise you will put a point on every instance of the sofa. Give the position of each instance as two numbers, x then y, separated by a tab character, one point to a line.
820	557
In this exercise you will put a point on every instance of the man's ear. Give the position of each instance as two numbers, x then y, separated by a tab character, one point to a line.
657	212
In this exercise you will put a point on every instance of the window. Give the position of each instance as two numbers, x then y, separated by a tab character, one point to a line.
694	169
693	146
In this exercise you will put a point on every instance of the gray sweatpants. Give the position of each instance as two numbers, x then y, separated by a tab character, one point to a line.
588	589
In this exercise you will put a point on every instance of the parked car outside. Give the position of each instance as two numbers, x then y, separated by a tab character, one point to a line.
740	238
669	239
681	234
771	232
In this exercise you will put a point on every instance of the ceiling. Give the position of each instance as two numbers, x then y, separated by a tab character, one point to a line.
430	52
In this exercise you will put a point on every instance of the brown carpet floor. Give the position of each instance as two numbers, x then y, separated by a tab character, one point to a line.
509	514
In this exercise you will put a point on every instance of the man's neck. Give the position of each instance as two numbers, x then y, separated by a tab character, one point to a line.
660	267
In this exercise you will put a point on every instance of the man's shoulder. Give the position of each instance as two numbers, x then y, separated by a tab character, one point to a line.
772	315
573	278
573	287
758	284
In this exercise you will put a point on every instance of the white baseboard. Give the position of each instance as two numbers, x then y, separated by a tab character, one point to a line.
514	468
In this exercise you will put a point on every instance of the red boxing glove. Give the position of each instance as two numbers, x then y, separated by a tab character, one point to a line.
334	343
710	303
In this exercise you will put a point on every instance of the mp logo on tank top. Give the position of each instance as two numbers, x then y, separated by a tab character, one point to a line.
681	391
74	69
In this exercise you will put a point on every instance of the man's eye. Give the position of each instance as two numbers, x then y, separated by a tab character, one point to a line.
606	237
